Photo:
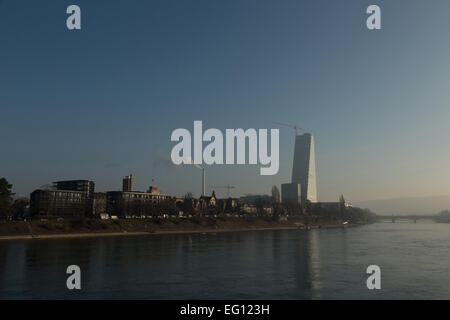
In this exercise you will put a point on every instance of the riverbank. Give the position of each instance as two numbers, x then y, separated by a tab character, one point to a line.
82	228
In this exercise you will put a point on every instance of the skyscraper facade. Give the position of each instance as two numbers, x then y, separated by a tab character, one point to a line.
127	183
304	167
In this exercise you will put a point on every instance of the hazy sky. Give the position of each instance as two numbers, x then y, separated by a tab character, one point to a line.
102	102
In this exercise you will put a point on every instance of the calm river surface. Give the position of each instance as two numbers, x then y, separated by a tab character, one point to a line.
286	264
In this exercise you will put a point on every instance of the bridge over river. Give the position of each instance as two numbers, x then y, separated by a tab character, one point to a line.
414	218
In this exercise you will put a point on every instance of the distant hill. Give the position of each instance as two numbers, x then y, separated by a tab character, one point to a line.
405	206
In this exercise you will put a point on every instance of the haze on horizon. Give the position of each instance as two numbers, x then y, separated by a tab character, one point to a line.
101	103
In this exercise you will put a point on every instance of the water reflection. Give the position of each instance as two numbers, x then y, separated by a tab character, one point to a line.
284	264
249	265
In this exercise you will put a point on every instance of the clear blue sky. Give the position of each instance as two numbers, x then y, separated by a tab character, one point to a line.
101	103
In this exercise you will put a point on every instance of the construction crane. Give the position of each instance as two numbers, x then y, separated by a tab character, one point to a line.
228	187
296	128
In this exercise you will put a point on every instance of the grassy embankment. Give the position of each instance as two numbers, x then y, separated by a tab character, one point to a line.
93	227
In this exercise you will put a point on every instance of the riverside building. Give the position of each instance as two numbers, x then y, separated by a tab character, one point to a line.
71	198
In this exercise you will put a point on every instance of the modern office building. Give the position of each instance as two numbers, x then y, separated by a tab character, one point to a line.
77	185
99	203
58	203
127	183
119	203
304	167
85	186
66	199
291	194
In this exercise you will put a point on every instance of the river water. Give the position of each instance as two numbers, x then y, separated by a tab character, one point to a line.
286	264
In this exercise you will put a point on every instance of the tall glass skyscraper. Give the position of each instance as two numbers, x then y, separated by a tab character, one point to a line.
304	167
